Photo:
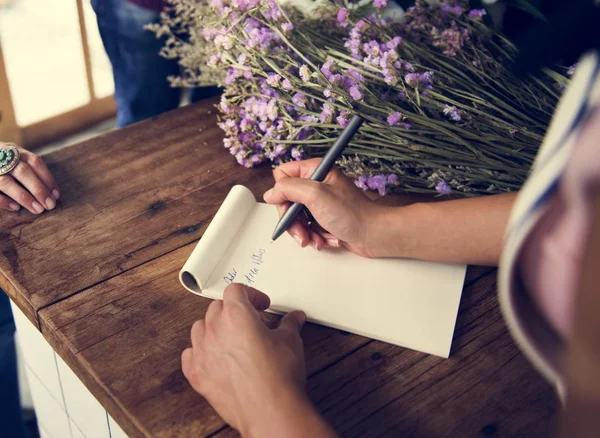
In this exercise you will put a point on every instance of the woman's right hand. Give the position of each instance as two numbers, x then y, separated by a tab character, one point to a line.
344	214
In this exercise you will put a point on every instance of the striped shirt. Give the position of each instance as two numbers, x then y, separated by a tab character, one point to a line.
548	228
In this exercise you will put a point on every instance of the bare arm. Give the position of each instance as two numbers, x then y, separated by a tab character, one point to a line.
460	231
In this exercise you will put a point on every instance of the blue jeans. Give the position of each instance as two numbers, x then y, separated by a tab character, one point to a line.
140	73
11	417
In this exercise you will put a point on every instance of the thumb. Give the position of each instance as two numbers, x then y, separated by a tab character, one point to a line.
293	321
301	190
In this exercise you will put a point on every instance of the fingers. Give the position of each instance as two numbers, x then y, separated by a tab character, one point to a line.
293	321
329	239
304	191
197	333
8	204
296	169
29	179
39	167
213	312
247	296
14	190
187	360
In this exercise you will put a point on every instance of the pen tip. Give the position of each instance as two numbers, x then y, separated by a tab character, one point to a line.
272	241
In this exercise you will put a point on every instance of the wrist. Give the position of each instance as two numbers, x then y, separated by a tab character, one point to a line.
384	233
291	415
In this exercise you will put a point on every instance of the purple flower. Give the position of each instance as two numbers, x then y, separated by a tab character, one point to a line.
394	118
477	13
456	10
224	105
232	75
361	182
299	99
379	4
342	17
372	48
452	112
273	79
326	69
356	75
287	28
327	113
419	80
343	118
297	154
304	73
327	92
286	85
571	70
355	92
452	40
379	183
394	43
443	188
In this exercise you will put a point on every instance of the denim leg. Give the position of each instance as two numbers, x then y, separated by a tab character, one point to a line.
11	417
140	73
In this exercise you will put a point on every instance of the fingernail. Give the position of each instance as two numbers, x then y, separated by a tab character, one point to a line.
267	194
37	207
300	317
56	194
298	239
50	203
333	242
14	206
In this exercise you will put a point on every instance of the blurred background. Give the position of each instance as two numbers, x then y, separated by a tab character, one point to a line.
55	77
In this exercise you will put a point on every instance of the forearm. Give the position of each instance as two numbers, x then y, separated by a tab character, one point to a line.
467	231
293	417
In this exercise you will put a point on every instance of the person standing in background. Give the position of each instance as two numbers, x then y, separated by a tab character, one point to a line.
140	73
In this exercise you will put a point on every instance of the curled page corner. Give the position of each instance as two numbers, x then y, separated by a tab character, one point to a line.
216	239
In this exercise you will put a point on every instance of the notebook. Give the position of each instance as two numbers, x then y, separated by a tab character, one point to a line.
409	303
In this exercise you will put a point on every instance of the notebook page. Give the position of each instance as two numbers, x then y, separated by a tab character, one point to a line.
217	238
405	302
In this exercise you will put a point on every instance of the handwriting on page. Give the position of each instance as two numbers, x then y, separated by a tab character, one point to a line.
247	275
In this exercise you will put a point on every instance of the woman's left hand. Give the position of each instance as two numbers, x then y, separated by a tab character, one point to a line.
30	184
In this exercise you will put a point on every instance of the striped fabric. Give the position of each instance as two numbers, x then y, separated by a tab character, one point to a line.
532	333
155	5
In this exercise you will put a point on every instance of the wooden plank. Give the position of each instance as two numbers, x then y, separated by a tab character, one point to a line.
124	338
127	197
486	388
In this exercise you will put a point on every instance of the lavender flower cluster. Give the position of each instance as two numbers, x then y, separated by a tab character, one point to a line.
285	101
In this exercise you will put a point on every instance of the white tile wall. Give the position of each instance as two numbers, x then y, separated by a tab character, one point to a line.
37	354
115	429
75	432
50	415
82	407
64	407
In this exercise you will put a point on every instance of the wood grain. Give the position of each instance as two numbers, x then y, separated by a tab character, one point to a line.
126	197
486	388
124	338
99	275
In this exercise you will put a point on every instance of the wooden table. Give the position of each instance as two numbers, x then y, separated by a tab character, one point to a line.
98	278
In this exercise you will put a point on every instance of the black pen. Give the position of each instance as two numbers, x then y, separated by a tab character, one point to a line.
320	173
